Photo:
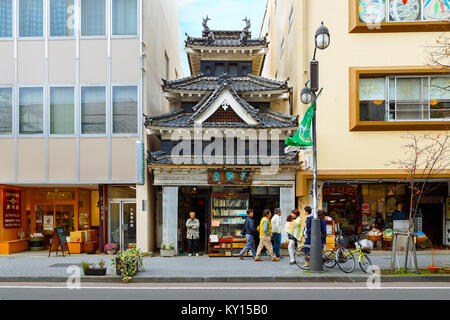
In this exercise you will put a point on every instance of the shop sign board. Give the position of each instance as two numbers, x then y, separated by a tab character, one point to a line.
59	242
217	177
12	218
349	191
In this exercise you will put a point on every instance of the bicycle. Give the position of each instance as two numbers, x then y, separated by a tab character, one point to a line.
328	257
346	259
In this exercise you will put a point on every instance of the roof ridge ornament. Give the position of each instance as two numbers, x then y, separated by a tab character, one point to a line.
205	24
247	24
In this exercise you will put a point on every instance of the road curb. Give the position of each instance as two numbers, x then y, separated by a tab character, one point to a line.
311	278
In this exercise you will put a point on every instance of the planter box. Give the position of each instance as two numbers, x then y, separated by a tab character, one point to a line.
167	253
95	272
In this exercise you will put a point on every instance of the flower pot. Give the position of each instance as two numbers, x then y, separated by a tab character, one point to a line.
119	273
434	269
168	253
95	272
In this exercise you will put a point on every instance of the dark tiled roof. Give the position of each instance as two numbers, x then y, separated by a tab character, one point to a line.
250	83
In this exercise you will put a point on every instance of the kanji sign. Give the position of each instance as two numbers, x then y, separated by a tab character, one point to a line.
12	218
229	177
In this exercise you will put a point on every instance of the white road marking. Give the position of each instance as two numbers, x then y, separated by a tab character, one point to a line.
229	288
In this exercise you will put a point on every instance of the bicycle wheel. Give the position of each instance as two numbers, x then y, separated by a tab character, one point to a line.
329	258
365	262
301	258
345	260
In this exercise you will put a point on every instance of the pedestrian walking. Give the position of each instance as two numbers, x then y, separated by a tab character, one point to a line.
293	229
277	226
193	234
249	232
265	235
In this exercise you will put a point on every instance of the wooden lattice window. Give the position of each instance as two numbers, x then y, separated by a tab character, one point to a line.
225	115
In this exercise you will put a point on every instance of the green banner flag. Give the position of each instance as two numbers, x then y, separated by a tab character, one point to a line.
302	138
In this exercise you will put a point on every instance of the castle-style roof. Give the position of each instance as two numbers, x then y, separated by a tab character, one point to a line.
250	83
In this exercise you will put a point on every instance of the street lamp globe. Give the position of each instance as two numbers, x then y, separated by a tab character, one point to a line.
322	37
306	95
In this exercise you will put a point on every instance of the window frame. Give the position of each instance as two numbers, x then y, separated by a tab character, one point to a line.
107	21
355	124
42	37
13	20
138	110
125	36
77	13
355	26
48	121
17	118
13	107
107	111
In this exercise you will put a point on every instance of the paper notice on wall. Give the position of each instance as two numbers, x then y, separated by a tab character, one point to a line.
48	223
213	238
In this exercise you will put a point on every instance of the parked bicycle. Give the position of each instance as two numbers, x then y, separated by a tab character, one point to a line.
346	260
328	256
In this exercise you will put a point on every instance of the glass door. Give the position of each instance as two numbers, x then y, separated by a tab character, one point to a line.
122	223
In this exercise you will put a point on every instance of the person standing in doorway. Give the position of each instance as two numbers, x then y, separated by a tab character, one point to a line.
249	232
193	234
265	235
277	224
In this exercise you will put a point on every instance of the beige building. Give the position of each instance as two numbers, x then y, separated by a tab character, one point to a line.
377	86
76	76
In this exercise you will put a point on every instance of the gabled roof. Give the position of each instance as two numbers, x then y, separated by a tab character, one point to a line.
254	118
250	83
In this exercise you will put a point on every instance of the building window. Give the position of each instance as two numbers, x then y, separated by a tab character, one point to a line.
399	15
124	15
31	111
62	18
6	21
125	110
5	111
62	110
30	18
92	17
93	110
404	98
291	16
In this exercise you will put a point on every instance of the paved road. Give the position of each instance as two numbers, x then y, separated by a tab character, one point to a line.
226	291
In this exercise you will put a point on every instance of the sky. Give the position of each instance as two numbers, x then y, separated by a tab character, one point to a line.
224	14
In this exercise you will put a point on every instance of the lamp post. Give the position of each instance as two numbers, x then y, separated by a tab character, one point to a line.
308	95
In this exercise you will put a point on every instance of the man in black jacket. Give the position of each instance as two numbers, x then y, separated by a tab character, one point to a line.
249	232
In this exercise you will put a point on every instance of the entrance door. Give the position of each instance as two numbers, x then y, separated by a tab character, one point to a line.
122	223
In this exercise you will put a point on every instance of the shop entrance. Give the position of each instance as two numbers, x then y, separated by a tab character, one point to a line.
122	223
194	200
52	215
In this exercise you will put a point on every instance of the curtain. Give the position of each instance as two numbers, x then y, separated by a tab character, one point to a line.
5	111
30	18
372	89
6	8
31	111
125	109
124	17
62	111
92	17
60	14
93	110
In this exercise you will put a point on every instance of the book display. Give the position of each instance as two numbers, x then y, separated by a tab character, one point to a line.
228	214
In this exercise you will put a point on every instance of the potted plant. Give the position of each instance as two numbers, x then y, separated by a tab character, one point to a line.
128	263
89	269
167	250
433	268
37	242
111	248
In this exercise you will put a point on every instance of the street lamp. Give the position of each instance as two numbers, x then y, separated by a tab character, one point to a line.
308	95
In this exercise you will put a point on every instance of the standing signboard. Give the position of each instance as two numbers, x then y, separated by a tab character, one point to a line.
59	241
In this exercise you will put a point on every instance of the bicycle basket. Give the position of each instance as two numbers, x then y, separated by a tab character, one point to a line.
366	250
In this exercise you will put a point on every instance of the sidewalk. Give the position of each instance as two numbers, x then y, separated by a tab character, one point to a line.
39	268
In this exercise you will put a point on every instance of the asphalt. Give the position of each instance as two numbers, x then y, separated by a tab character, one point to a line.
37	267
